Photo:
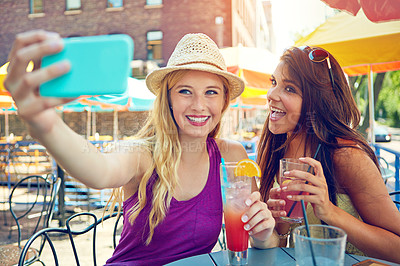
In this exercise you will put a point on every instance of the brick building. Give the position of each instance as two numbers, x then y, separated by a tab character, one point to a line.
155	25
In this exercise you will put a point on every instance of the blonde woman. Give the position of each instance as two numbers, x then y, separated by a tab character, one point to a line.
170	174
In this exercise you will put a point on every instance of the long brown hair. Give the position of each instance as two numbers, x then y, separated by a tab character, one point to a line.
327	115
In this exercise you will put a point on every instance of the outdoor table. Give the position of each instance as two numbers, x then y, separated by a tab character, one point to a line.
271	256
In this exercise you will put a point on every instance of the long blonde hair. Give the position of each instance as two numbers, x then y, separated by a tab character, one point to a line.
160	137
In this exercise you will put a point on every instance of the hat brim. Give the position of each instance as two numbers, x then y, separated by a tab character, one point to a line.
153	79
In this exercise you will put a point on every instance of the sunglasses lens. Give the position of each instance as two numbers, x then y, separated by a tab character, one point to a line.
318	55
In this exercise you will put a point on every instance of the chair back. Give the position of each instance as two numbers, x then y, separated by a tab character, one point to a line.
32	203
395	199
386	172
49	234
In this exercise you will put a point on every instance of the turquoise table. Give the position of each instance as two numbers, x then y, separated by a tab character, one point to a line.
265	257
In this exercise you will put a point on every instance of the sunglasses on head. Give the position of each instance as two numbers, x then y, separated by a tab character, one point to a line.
319	55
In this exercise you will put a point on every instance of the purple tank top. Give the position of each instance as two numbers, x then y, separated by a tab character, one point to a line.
190	227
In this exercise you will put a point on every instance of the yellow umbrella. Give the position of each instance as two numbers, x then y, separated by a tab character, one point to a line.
6	101
360	46
3	74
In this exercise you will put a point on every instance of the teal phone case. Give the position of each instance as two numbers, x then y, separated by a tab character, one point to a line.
99	65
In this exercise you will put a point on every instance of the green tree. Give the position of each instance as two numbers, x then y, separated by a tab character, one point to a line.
359	86
388	104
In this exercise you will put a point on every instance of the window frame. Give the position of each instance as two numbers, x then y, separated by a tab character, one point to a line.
154	43
108	4
73	9
148	3
32	7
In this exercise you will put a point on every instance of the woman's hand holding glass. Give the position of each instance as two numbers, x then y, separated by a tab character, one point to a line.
316	187
259	220
275	204
24	86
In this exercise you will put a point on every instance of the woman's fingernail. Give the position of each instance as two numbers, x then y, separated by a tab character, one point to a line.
302	158
289	196
282	213
245	218
55	44
286	172
63	66
246	227
284	188
248	202
282	202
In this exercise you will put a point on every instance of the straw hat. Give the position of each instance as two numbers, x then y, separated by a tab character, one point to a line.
196	51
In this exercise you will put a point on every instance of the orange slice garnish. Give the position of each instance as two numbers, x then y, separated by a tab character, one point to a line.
286	182
247	167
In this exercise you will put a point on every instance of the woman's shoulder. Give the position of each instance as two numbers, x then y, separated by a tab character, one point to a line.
353	163
349	153
231	150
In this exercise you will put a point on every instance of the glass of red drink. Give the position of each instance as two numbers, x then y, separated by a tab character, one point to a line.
293	209
235	191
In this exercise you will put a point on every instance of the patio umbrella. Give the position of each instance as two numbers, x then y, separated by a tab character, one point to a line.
360	46
255	66
7	107
3	74
140	98
137	97
376	11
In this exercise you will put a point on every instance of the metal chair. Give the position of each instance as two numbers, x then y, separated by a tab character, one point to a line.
385	171
222	238
49	235
32	204
397	202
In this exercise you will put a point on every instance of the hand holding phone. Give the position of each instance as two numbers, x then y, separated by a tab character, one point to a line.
99	65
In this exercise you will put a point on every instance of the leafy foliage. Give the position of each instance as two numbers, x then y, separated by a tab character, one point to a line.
388	104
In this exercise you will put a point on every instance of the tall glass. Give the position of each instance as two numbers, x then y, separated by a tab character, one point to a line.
293	209
326	243
235	191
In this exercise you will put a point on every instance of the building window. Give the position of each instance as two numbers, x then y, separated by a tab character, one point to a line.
154	45
153	2
36	6
73	5
114	3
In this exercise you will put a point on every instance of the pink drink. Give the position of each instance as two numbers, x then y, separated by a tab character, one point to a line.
296	215
237	238
236	188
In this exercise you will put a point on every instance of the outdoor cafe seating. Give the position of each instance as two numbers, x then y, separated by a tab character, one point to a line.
395	194
31	204
48	236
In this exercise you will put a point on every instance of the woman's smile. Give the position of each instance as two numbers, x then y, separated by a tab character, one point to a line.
197	120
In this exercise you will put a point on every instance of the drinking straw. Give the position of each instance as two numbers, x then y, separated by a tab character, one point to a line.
308	231
225	179
303	207
308	170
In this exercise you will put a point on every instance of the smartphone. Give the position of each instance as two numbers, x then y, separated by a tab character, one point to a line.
99	65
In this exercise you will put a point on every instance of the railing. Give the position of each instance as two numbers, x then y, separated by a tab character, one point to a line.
396	165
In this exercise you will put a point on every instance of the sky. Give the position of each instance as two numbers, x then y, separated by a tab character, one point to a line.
293	17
